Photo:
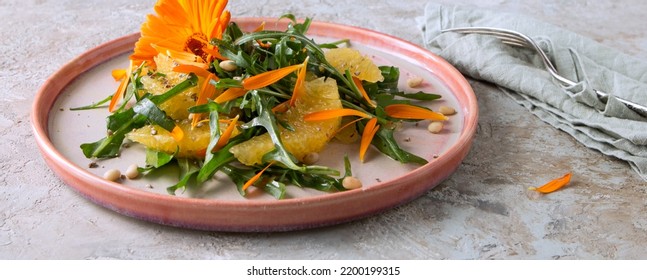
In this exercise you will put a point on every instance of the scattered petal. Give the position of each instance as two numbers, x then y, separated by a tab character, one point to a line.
334	113
299	87
367	137
198	70
226	135
405	111
256	177
119	74
554	185
177	133
358	84
267	78
207	91
121	89
230	94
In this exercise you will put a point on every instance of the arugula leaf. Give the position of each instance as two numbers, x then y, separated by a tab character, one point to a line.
422	96
123	121
214	129
314	181
241	175
154	114
191	81
95	105
188	168
386	143
267	120
223	157
157	159
111	144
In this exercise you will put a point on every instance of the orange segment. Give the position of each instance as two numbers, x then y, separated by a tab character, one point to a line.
192	145
164	79
307	137
360	66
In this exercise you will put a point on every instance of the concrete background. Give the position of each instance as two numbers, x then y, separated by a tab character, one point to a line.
481	212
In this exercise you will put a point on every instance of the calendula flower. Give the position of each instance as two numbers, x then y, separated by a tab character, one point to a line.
182	26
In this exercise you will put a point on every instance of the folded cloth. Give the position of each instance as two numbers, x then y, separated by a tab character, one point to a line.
610	127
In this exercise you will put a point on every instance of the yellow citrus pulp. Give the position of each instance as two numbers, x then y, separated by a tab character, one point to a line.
360	66
164	79
306	137
196	139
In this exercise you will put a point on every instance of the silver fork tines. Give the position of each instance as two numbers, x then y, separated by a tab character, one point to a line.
517	39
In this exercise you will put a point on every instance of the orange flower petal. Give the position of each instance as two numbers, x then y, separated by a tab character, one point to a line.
119	74
214	53
333	113
358	84
405	111
344	127
267	78
198	70
208	91
281	108
260	28
230	94
256	177
555	184
226	135
121	89
177	133
299	88
181	57
367	136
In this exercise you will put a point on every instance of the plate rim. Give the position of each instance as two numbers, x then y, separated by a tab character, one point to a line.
99	190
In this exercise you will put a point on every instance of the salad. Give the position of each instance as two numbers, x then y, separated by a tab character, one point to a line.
256	106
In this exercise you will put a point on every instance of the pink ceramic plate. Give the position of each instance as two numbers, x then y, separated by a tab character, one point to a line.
217	206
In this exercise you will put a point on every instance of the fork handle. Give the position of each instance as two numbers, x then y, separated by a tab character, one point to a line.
640	109
604	97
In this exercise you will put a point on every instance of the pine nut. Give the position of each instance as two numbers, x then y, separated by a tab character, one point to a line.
112	175
228	65
351	183
446	110
435	127
132	172
414	82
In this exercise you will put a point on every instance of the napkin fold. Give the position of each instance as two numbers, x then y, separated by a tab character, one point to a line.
611	127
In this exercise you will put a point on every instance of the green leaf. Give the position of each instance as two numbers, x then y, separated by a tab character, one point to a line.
289	16
314	181
385	142
214	129
98	104
124	121
267	120
154	114
188	168
191	81
157	159
348	172
222	157
240	176
422	96
111	144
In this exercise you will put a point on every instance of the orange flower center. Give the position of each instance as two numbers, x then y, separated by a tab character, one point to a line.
195	44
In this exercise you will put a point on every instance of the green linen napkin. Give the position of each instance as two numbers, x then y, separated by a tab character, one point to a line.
610	128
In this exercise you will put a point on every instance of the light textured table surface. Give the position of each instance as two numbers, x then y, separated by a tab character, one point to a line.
480	212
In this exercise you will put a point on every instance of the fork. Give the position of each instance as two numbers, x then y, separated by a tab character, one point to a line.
517	39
